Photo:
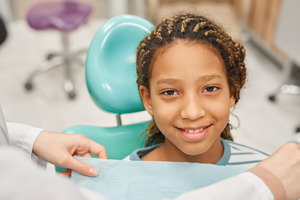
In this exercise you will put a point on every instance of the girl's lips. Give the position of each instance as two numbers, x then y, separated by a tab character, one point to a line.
194	134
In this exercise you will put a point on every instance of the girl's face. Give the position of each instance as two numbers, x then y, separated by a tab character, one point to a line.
190	100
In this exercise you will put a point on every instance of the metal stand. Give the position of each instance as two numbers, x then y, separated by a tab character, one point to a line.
66	58
285	87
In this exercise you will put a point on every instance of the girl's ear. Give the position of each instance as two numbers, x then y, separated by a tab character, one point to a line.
232	101
145	95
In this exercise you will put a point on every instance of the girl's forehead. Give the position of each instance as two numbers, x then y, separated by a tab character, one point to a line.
182	43
187	58
179	48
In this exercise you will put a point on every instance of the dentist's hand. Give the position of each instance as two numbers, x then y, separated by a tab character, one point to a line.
59	149
285	164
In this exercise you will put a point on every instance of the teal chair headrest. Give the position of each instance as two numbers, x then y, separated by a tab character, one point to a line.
111	64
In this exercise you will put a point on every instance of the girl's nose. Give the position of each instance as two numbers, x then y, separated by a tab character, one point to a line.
192	108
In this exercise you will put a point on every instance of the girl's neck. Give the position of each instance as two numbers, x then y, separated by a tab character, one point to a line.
169	152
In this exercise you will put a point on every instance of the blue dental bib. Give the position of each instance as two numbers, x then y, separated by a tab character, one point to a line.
136	180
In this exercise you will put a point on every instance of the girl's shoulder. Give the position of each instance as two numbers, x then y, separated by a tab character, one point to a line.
139	153
240	155
241	148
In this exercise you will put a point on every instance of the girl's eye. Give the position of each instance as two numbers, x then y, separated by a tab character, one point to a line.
170	92
210	89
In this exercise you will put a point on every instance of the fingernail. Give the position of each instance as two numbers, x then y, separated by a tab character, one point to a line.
93	171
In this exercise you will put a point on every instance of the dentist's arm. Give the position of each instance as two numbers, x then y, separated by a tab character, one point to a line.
285	165
23	136
56	148
23	179
245	186
276	177
59	149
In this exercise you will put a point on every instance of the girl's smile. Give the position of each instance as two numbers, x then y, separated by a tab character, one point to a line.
194	134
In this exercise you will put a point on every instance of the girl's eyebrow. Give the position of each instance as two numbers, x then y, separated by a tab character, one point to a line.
201	78
168	80
210	77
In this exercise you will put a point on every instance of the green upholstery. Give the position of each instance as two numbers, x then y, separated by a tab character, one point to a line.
111	81
114	137
119	141
110	66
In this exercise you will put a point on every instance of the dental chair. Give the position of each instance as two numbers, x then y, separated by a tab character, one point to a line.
111	82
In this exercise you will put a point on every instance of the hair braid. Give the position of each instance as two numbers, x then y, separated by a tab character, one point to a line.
192	28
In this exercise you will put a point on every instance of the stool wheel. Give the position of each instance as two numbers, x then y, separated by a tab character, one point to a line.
72	95
28	86
50	56
272	97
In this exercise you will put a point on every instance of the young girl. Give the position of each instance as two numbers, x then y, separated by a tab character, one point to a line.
190	73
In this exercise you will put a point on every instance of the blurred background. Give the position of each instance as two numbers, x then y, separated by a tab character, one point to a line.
269	109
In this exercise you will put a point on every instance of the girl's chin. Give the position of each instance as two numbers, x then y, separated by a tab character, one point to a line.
194	152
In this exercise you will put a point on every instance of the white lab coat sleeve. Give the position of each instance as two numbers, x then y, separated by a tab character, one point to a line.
245	186
23	136
22	179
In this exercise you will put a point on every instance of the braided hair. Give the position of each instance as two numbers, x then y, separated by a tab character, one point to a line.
198	29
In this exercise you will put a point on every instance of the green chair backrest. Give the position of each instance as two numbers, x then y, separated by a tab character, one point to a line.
111	64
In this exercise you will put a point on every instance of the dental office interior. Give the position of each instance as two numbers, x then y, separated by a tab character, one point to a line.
266	117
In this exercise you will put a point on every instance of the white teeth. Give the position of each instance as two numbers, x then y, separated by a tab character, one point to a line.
193	131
